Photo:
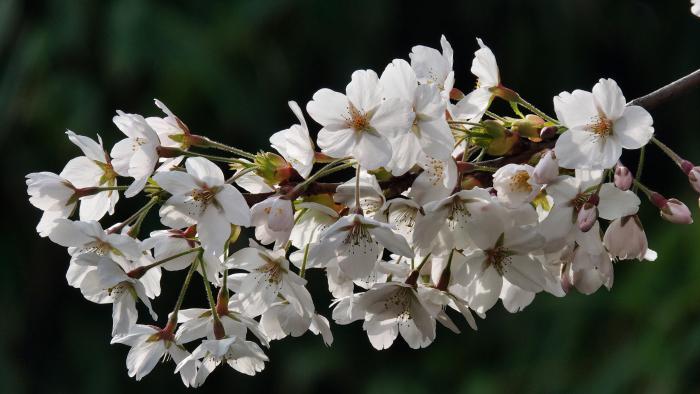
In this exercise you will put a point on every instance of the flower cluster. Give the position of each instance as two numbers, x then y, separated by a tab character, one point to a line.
451	208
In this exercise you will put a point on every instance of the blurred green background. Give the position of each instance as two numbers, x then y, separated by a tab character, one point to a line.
228	69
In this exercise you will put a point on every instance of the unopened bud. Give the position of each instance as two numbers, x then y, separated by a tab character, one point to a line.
587	216
694	178
676	212
219	330
529	127
505	93
456	94
547	169
623	177
272	167
469	182
501	146
548	132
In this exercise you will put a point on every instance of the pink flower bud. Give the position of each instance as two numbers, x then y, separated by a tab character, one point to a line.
547	169
676	212
623	177
587	217
694	178
625	238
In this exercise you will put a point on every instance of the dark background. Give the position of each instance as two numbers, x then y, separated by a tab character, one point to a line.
228	69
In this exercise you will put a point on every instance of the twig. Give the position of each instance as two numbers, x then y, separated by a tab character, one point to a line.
666	93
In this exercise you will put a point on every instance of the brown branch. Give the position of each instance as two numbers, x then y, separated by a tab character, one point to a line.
668	92
522	153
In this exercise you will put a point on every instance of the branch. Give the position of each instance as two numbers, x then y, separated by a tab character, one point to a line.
668	92
521	154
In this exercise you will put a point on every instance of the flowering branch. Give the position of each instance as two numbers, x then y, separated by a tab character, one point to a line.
491	206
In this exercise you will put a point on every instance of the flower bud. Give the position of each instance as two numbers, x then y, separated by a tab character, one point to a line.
456	94
505	93
587	216
272	167
548	132
694	178
625	238
676	212
623	177
547	169
529	127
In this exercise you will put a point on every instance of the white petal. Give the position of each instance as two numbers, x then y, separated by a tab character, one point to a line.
609	98
615	203
205	171
634	129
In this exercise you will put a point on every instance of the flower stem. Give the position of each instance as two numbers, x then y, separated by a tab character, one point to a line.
240	174
173	257
209	143
497	117
178	304
640	167
138	214
643	188
521	101
207	287
357	190
668	151
302	270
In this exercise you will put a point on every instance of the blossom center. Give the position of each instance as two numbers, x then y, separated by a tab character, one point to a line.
204	195
601	126
499	258
273	271
519	182
358	121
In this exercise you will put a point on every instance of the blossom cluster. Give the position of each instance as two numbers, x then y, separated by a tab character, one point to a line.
451	208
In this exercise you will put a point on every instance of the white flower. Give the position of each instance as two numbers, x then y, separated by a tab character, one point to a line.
200	196
570	194
445	223
359	123
430	132
52	194
437	180
401	213
273	219
695	8
148	346
168	243
515	184
547	168
485	68
396	308
357	242
92	170
104	281
135	156
599	126
371	196
268	276
243	356
502	252
625	239
433	67
88	236
199	323
281	320
294	143
312	219
168	127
